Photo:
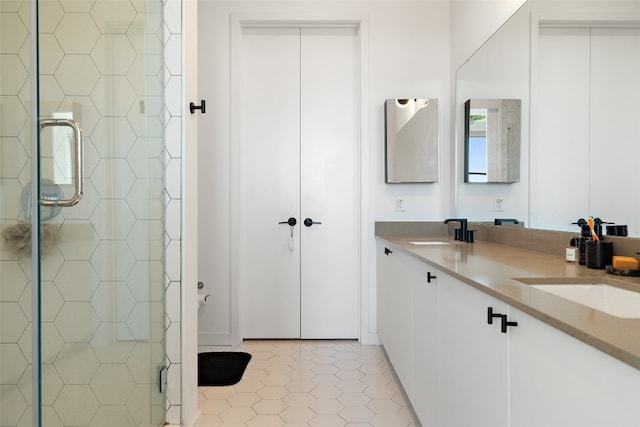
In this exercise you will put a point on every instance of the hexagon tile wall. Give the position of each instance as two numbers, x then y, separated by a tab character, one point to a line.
111	284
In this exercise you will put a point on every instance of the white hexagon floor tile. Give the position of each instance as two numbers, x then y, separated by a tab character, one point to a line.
313	383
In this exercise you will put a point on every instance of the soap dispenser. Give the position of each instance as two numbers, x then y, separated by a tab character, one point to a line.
580	241
598	226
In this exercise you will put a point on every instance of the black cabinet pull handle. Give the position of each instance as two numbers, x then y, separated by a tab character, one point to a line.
430	277
491	315
387	251
505	323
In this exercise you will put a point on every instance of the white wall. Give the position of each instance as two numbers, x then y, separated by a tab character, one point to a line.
473	22
189	215
408	57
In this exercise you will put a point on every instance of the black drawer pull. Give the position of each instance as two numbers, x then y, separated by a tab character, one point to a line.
503	326
491	315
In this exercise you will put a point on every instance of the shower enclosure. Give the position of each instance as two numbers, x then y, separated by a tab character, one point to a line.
81	213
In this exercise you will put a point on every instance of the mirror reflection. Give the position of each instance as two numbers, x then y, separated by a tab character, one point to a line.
411	146
574	64
492	140
57	143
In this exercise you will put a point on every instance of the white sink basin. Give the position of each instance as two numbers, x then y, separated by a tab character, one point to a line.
429	242
612	300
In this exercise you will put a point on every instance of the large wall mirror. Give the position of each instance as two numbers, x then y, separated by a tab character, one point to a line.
411	144
574	64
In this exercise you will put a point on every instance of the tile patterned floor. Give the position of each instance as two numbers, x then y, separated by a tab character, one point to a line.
308	383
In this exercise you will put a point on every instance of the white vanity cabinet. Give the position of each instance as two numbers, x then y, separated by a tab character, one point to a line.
532	375
408	326
559	381
474	358
460	371
394	316
425	281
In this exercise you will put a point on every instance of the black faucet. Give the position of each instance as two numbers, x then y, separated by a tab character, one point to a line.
499	221
463	227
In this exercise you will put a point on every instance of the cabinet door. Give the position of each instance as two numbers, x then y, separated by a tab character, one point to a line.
473	359
557	380
384	291
394	313
424	392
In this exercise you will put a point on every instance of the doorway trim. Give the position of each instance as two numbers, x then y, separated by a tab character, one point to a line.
238	24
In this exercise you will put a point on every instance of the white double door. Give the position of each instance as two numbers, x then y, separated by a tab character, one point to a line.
300	160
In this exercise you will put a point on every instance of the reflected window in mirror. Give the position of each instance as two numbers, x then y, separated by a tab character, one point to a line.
477	140
492	140
411	140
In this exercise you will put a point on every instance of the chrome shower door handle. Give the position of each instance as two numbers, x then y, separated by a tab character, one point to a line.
78	163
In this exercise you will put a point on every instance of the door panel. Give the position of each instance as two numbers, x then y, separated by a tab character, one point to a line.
615	56
562	97
271	182
329	177
300	157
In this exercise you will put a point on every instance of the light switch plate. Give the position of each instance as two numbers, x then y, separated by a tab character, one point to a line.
498	203
399	203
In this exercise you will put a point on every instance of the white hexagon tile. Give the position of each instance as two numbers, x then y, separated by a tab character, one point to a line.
312	383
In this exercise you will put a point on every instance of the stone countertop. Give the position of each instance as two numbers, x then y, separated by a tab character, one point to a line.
494	269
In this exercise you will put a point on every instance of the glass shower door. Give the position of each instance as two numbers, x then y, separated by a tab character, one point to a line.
82	332
15	273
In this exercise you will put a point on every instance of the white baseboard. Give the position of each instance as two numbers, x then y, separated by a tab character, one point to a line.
370	339
196	420
194	423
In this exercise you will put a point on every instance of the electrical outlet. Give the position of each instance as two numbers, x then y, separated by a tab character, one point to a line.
399	204
498	203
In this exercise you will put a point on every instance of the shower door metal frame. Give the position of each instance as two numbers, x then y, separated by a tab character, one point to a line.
36	403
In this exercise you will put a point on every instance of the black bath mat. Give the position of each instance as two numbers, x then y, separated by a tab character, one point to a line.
221	367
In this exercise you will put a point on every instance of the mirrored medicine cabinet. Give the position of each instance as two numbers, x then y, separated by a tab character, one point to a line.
411	143
492	140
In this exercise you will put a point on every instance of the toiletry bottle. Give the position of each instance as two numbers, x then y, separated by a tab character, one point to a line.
571	253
